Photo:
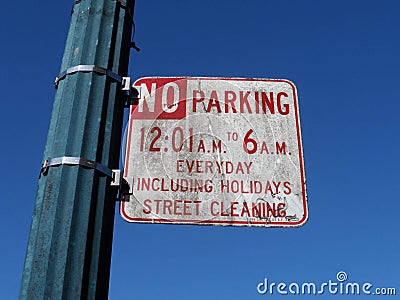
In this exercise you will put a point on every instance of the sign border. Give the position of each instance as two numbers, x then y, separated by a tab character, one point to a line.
225	222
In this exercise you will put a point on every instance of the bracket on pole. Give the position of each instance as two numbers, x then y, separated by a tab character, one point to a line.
73	161
87	68
114	174
133	92
123	185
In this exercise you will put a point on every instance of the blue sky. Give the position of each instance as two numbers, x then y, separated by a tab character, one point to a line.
343	58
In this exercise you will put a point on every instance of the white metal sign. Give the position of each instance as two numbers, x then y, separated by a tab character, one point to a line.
219	151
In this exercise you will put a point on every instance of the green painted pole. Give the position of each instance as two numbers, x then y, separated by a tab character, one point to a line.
69	248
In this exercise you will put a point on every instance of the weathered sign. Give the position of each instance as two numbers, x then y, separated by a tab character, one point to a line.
219	151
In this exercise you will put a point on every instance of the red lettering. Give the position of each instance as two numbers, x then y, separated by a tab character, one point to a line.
167	205
145	203
172	207
245	209
244	101
286	106
162	98
288	189
271	210
276	185
239	168
209	165
213	102
145	184
229	167
196	94
243	187
224	187
281	210
163	187
190	165
268	188
233	208
186	208
230	98
177	207
235	186
265	101
201	147
258	102
153	186
157	206
197	203
280	149
198	166
212	208
223	212
256	210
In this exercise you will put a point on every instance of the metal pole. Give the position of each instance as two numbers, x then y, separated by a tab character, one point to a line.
70	242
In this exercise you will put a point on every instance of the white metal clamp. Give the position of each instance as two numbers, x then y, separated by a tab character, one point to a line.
87	68
133	93
114	174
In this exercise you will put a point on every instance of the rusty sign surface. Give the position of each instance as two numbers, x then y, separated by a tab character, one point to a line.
215	151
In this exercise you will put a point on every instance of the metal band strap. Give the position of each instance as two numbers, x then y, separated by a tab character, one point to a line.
87	68
68	160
